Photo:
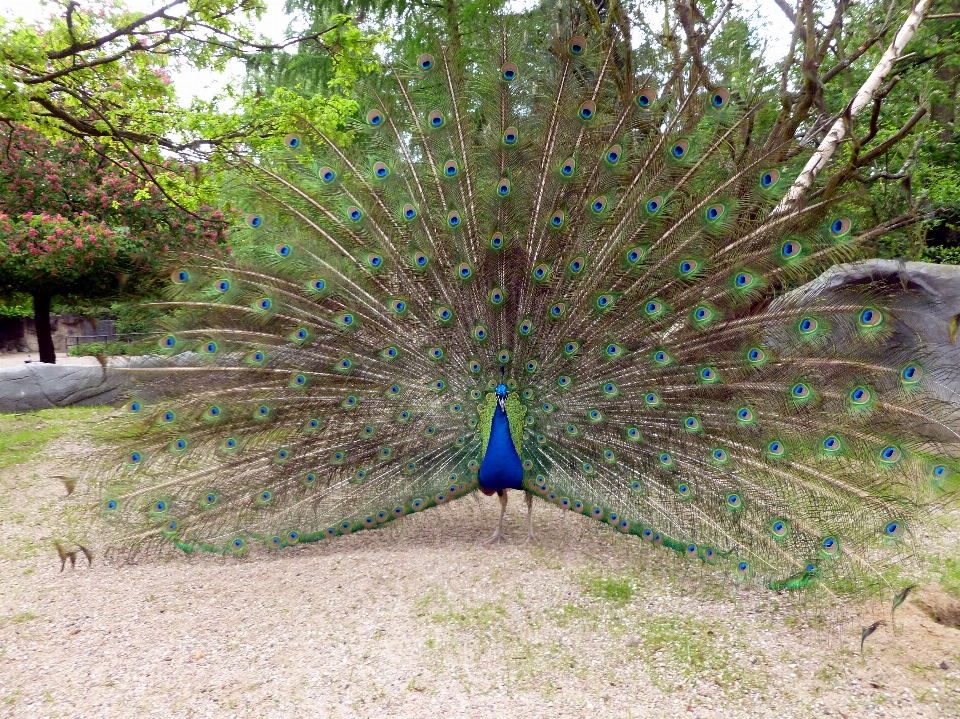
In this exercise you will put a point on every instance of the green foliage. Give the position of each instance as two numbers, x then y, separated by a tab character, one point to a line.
17	305
103	74
941	255
72	221
109	349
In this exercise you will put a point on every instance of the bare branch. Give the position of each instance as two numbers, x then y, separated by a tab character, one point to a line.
894	138
787	10
864	96
128	29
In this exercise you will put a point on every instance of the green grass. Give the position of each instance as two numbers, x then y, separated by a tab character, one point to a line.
618	590
17	619
482	616
24	437
949	570
691	647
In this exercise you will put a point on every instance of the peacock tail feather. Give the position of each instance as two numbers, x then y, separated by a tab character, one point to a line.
617	258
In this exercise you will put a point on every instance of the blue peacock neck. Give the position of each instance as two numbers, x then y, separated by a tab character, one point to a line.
500	467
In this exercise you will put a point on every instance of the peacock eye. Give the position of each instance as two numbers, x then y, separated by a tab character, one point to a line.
425	62
840	227
715	212
720	98
646	97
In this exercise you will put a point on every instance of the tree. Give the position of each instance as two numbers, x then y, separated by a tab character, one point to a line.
101	75
73	221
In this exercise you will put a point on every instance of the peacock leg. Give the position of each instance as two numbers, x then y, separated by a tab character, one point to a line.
531	537
498	536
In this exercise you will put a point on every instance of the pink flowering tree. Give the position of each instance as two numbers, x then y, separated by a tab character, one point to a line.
74	221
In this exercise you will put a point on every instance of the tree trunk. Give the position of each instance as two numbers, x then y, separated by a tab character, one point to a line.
41	318
864	97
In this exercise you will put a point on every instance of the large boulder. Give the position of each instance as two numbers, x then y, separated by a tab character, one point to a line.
33	386
37	385
926	301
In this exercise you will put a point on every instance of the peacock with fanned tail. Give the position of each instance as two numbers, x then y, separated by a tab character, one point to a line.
537	273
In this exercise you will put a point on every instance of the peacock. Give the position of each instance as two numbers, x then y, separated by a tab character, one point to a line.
535	271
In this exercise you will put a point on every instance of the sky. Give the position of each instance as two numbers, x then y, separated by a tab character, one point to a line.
204	84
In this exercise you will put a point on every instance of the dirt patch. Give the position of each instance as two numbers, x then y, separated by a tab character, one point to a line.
941	607
419	619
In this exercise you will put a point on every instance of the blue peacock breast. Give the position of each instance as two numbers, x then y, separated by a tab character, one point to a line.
501	467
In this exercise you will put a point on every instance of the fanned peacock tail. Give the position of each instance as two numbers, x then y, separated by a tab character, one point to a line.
616	259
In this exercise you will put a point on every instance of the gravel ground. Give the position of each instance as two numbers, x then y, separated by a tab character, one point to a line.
419	619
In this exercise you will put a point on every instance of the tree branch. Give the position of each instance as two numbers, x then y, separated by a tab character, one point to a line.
787	10
864	96
128	29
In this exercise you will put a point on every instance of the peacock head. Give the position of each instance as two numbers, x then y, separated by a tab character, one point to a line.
501	391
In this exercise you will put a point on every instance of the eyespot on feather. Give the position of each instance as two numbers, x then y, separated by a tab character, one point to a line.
840	227
646	97
509	71
719	98
769	179
715	212
870	317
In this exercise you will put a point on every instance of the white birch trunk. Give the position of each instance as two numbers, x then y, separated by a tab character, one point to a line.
863	97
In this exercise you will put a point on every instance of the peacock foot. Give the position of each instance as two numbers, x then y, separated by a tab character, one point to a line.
531	538
498	538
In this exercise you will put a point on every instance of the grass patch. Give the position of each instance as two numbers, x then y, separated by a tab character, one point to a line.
949	570
24	437
691	647
20	618
619	590
482	616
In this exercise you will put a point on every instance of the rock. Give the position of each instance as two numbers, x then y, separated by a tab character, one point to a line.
42	386
925	302
38	385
